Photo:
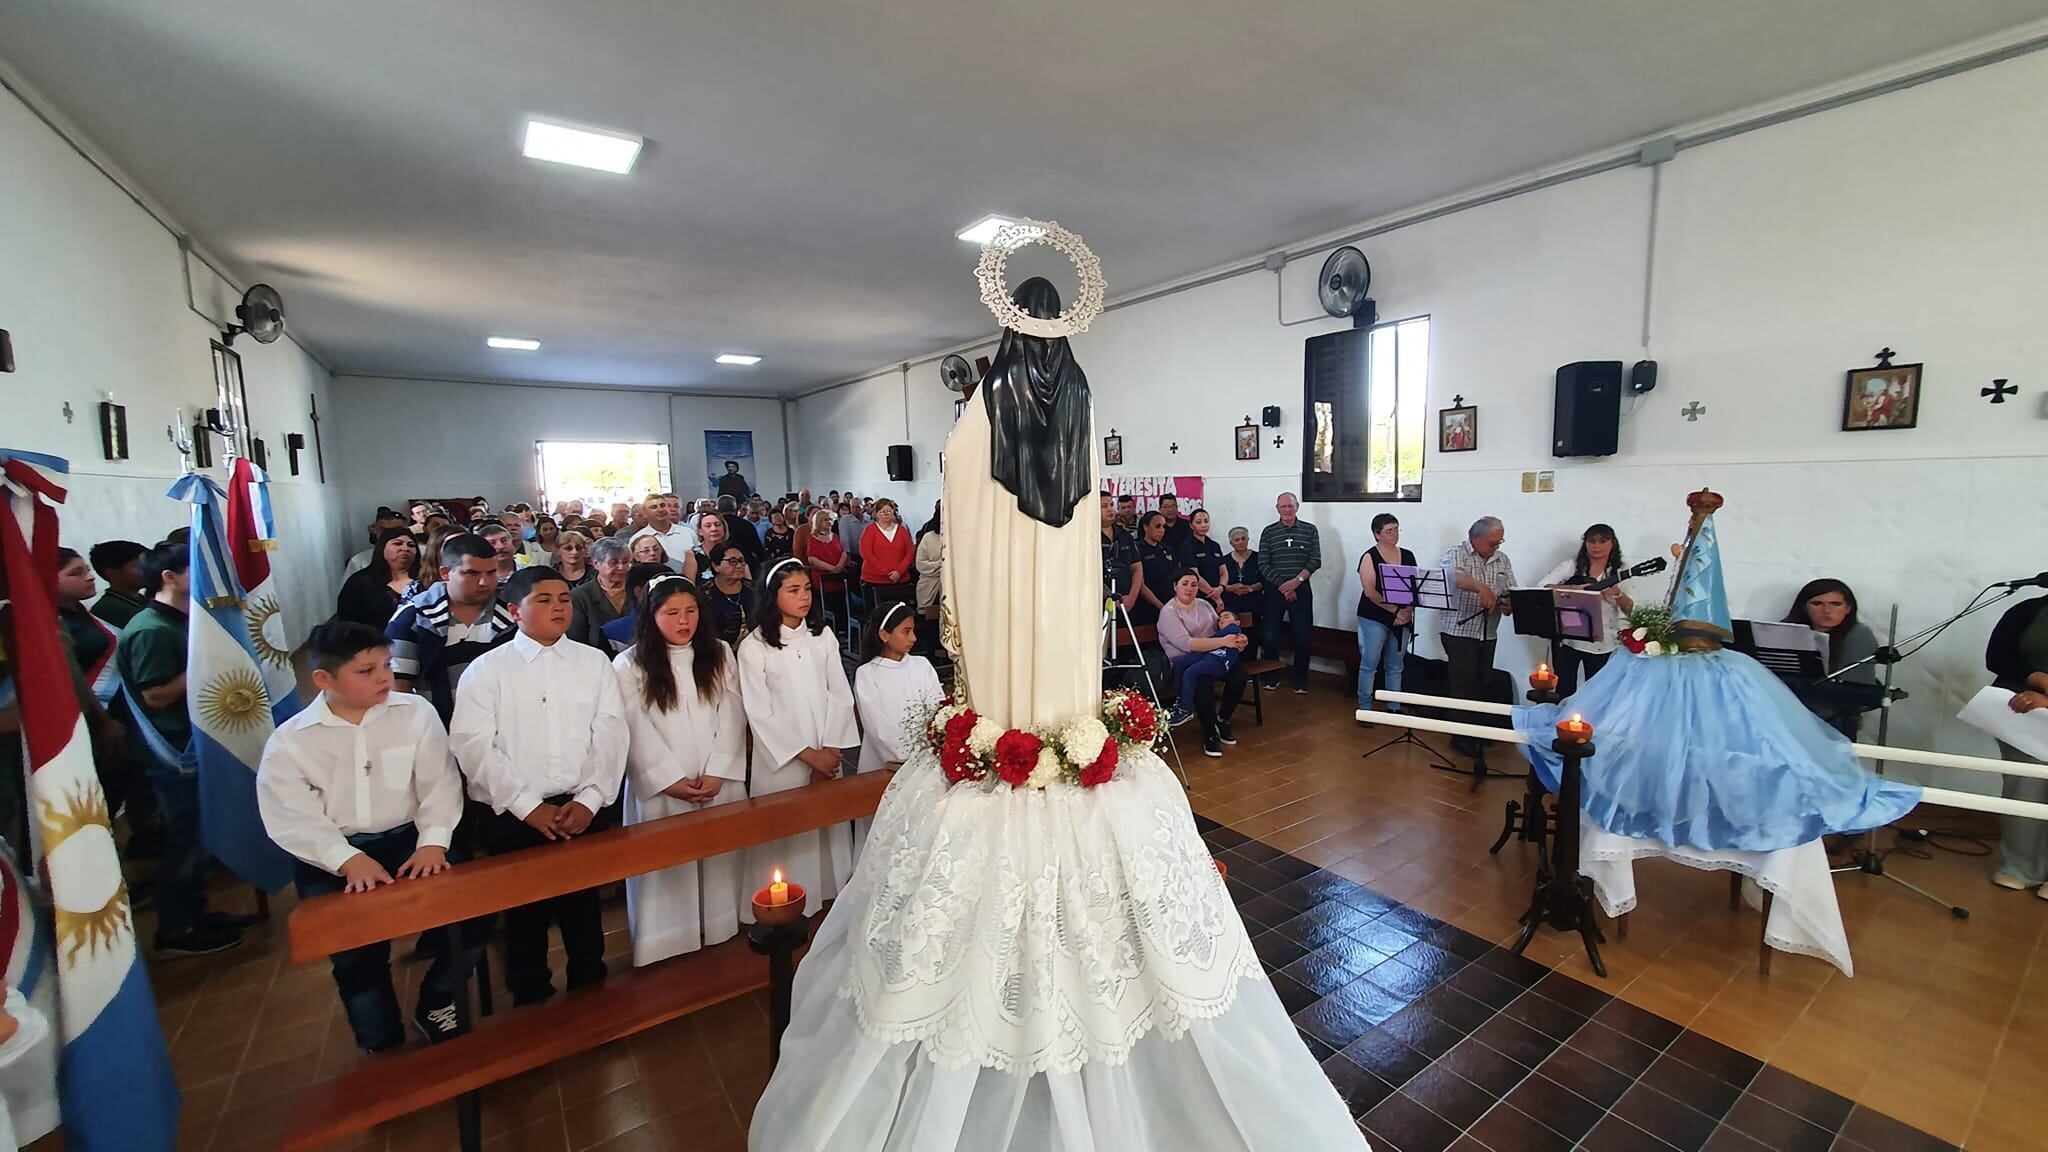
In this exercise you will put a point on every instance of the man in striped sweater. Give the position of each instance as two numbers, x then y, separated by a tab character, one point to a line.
1290	551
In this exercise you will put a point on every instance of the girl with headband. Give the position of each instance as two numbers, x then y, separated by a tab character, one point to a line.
800	707
890	688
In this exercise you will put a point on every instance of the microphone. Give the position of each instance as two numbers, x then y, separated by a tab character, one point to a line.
2037	580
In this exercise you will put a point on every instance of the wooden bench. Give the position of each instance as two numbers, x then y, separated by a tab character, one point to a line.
506	1045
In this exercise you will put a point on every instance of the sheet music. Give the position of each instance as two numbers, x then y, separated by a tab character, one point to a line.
1789	637
1990	711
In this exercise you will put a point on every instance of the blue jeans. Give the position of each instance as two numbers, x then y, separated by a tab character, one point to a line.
1195	671
1379	645
181	869
363	975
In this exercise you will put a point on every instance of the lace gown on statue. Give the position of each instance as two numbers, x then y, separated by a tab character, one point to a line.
1053	971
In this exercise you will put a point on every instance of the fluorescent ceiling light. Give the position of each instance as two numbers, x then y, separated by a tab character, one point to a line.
583	147
738	358
984	230
514	344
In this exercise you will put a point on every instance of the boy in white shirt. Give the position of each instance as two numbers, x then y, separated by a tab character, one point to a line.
540	733
360	788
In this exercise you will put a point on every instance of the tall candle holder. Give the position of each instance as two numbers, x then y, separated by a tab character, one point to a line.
778	930
1525	819
1563	899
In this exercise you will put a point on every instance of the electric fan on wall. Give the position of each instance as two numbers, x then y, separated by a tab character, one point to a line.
260	315
957	373
1346	278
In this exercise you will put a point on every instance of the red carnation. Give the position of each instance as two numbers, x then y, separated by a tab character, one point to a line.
1016	756
1141	721
1104	766
955	757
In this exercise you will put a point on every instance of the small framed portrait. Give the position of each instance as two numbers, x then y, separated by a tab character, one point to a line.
1887	396
1113	450
1247	441
1457	429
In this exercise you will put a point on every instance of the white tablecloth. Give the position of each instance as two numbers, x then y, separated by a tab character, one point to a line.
1805	918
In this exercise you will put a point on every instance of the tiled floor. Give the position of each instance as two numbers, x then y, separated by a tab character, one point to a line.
1944	1028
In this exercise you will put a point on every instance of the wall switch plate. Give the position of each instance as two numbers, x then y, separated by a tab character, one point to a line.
1546	481
1528	481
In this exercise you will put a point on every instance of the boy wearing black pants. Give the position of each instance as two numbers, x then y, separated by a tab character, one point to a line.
360	788
540	733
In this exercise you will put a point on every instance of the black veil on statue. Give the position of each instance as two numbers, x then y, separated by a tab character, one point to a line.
1038	415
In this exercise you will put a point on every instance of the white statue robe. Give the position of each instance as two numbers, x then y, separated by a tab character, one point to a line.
688	906
797	697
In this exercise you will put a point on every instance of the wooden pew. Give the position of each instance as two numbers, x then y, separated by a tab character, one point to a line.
505	1045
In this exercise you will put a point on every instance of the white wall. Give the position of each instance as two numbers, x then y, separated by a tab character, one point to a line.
841	437
482	443
92	291
1785	257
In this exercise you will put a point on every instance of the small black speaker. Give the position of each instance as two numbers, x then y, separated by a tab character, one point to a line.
1270	415
899	462
1587	420
1642	377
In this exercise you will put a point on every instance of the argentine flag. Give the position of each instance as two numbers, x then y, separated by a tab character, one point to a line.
117	1092
238	668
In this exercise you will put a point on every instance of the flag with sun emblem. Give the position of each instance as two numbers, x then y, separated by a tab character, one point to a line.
118	1090
252	537
228	693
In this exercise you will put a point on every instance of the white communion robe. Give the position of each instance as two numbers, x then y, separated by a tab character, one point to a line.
688	906
885	693
797	697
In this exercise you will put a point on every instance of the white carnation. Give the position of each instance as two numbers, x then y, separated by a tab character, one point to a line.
1047	771
1082	739
1641	633
982	739
1653	648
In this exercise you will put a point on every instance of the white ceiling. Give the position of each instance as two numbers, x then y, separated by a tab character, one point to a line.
809	160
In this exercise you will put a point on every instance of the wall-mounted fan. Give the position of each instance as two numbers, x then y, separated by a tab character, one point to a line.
1346	279
957	373
260	315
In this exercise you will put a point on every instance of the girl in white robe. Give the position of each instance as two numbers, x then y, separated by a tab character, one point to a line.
890	689
688	751
800	708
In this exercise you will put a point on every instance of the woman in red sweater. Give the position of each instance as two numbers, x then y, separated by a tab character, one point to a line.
888	558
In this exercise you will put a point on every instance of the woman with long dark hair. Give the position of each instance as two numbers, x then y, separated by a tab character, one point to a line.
373	595
1598	557
1829	606
689	750
801	710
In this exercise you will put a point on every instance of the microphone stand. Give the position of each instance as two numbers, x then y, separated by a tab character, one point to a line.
1866	858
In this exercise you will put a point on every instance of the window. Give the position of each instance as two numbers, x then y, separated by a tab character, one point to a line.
231	398
599	473
1365	397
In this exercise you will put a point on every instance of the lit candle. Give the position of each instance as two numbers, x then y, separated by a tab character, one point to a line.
1575	730
778	891
1543	679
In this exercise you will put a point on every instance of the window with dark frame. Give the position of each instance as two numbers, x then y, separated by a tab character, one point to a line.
1365	406
231	397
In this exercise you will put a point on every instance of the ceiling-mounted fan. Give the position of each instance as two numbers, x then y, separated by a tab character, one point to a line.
260	315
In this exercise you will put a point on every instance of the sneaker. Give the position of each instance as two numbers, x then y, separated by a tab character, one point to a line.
1178	717
1224	734
1211	746
1270	684
2008	880
204	940
1301	691
438	1024
229	923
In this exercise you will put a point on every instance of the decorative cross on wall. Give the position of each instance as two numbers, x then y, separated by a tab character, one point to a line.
1884	357
1693	411
1458	401
1998	391
1174	447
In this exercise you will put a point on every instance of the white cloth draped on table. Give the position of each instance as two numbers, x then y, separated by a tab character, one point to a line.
688	906
1026	597
1805	919
796	697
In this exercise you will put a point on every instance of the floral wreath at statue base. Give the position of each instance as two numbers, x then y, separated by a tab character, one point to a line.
1083	751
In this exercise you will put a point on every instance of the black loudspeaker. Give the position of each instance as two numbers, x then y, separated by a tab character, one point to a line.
1588	414
1642	377
899	462
1270	415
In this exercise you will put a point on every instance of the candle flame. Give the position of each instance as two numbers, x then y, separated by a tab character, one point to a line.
1576	719
1542	667
778	876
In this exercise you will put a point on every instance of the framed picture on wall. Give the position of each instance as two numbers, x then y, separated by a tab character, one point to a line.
1247	441
1457	429
1112	450
1886	396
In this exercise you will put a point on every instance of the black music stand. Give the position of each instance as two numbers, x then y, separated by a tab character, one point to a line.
1409	586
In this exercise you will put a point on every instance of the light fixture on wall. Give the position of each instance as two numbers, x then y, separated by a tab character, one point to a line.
739	358
597	148
513	344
